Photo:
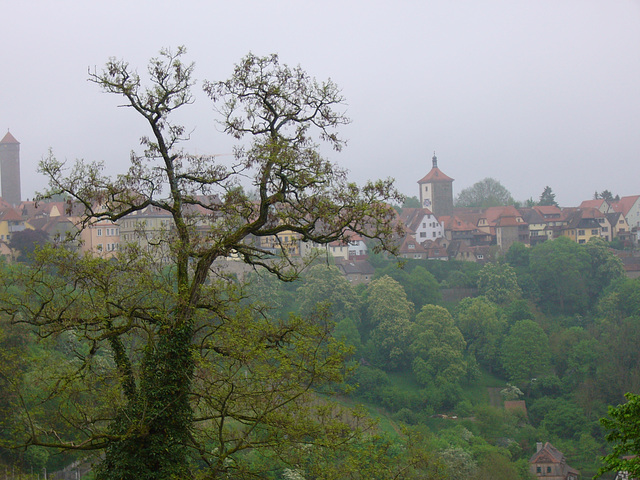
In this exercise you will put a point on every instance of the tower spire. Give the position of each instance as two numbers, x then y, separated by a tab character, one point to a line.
434	159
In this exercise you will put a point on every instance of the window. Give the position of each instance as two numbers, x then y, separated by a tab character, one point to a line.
479	256
582	240
538	469
594	231
411	246
423	234
605	229
580	232
99	233
548	469
434	234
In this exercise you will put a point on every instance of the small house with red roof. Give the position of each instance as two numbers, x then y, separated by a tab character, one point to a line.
10	222
630	207
580	227
549	463
411	248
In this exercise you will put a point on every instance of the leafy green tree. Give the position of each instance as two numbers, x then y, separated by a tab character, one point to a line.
389	312
547	197
485	193
499	283
517	255
325	284
619	372
559	417
437	347
482	326
605	267
621	300
187	367
525	351
347	332
561	268
419	284
623	425
411	202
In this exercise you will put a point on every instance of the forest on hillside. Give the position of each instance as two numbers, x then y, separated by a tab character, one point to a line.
556	325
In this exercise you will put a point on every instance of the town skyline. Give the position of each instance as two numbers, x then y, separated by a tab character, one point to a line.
529	94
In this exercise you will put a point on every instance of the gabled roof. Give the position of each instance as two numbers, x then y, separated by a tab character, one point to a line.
614	217
548	211
591	212
355	267
577	219
10	215
8	138
509	221
469	215
411	217
493	214
595	203
456	224
435	175
531	215
408	241
625	204
435	250
547	454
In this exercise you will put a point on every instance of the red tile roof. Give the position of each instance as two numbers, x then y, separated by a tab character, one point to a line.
435	175
625	204
596	203
8	138
10	215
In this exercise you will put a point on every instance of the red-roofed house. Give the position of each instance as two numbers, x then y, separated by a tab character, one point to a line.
410	248
630	207
10	222
549	463
599	203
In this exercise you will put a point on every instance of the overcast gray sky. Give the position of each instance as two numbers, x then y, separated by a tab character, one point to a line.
532	93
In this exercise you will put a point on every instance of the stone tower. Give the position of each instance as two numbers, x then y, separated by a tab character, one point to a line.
436	190
10	169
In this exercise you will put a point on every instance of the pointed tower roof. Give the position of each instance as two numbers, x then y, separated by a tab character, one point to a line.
8	138
435	175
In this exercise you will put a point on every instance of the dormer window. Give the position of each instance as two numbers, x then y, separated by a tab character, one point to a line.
411	246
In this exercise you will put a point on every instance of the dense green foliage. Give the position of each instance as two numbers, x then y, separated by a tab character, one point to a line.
417	364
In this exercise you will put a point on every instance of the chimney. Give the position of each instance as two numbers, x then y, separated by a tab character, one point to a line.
538	446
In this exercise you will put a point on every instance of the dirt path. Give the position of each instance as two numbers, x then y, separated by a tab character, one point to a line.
495	400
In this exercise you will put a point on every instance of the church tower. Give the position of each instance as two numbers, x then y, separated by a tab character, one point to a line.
10	169
436	190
